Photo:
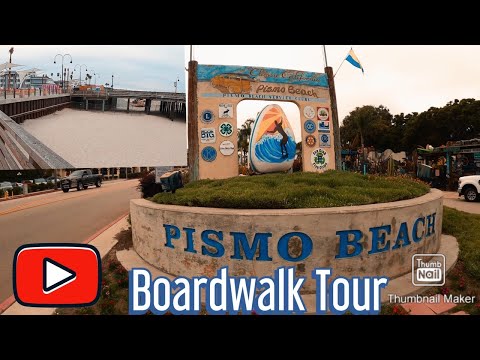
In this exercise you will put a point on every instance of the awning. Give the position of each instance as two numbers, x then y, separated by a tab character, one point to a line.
8	65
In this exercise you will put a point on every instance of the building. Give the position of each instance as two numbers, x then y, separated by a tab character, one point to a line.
443	165
35	81
14	79
24	79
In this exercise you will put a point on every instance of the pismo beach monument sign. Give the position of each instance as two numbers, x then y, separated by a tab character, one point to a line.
352	241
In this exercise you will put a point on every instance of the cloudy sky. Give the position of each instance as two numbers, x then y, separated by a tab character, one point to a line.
402	78
135	67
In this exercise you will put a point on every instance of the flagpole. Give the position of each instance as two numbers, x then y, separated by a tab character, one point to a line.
345	58
337	147
339	66
325	56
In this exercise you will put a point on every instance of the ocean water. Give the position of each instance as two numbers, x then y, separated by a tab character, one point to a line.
112	139
268	149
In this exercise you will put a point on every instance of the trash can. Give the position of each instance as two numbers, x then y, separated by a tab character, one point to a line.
171	181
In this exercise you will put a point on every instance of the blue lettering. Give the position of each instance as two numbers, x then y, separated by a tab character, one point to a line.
259	241
430	225
345	245
220	250
415	231
282	246
189	232
402	237
378	238
169	236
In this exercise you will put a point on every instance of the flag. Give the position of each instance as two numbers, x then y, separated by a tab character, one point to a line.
352	59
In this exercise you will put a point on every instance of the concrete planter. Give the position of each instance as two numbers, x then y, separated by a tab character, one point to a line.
368	240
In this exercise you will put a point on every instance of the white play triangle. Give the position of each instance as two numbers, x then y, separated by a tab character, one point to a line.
55	275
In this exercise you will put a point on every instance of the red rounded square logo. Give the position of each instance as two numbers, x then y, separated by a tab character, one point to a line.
57	275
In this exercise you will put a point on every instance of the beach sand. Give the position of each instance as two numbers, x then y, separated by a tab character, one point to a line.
112	139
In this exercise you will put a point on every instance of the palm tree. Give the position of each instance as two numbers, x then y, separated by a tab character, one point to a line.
244	138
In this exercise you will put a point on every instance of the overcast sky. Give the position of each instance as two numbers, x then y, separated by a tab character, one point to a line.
402	78
135	67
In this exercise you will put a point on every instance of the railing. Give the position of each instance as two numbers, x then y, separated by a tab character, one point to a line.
97	94
131	94
22	93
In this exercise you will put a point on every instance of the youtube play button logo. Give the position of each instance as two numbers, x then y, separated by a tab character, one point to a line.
57	275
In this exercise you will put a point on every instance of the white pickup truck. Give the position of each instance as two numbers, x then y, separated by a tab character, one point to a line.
469	187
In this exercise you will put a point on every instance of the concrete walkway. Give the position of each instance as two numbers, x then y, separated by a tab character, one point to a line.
451	199
103	242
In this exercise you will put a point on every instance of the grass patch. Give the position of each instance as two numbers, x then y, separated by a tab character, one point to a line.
466	228
464	278
292	191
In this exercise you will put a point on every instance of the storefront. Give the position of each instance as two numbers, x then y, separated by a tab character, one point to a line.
442	166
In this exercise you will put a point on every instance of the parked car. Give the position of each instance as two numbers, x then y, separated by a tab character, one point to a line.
81	179
39	181
6	185
469	187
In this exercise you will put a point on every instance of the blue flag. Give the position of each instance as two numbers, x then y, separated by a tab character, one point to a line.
352	59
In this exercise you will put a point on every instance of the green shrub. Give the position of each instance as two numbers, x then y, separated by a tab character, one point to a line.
297	190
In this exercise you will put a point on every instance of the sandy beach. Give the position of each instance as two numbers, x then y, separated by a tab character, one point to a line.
112	139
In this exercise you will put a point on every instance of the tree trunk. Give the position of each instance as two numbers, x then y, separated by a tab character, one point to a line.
363	145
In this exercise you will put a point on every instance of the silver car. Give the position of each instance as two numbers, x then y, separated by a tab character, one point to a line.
6	185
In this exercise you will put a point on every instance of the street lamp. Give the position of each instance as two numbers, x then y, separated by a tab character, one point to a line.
96	78
10	68
176	83
89	76
80	66
54	61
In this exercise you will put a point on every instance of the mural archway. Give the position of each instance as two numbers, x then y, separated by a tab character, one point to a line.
219	90
251	112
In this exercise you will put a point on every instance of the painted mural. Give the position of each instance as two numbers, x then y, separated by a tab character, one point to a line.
272	143
239	79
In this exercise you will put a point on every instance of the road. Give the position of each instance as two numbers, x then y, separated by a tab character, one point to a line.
452	200
71	217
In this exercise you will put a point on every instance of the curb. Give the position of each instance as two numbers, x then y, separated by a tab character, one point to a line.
28	195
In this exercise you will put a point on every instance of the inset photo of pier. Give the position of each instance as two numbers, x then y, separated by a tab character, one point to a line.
76	106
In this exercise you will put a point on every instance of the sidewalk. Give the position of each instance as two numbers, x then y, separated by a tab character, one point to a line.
43	192
103	242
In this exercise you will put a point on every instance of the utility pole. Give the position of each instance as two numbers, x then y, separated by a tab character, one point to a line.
193	146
